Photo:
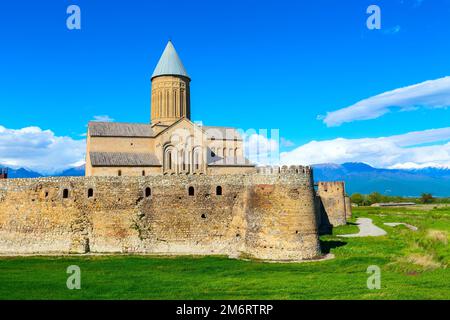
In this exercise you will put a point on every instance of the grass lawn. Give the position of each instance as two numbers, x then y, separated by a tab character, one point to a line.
414	265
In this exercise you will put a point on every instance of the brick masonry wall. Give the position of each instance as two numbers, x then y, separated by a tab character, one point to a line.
267	215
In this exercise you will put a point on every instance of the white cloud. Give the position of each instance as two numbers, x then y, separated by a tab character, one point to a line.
410	150
260	149
428	94
103	118
39	150
286	143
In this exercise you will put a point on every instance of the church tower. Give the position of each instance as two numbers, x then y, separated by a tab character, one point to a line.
170	97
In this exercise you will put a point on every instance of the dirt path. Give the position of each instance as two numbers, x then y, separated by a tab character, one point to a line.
366	229
394	224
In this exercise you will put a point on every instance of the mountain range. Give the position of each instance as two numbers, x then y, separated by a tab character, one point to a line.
26	173
362	178
359	177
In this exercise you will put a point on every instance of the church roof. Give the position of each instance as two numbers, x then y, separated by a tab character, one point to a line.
123	159
118	129
169	63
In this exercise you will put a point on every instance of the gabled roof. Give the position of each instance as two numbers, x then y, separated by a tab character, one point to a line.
169	63
120	129
123	159
143	130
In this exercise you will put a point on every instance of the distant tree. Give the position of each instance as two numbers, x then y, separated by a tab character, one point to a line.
426	198
375	197
357	198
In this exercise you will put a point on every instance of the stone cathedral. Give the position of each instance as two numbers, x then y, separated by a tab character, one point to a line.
171	186
171	143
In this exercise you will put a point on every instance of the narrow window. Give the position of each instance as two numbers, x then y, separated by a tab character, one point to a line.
169	160
196	160
183	163
143	173
218	190
119	173
148	192
90	193
191	191
65	193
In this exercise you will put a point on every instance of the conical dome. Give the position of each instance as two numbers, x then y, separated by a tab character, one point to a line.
169	63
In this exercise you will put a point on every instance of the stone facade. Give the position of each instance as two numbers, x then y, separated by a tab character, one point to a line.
170	143
348	208
267	215
170	187
170	99
331	203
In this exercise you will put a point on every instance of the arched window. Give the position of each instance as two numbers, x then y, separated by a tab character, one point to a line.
143	173
183	160
119	173
148	192
182	101
197	161
224	152
169	160
196	158
65	193
218	190
191	191
90	193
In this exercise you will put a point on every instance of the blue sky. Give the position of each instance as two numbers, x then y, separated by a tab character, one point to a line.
253	64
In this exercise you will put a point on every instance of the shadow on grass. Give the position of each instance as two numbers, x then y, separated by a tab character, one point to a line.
326	246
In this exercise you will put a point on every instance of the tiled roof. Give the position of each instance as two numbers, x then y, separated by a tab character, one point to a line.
119	159
118	129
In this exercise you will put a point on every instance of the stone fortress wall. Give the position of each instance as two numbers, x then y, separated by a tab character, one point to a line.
333	206
269	215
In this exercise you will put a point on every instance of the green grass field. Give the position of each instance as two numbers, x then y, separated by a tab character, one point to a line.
414	265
